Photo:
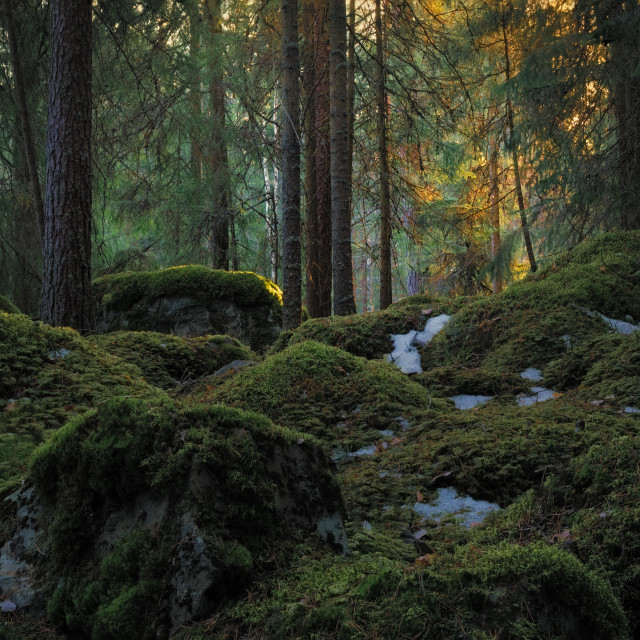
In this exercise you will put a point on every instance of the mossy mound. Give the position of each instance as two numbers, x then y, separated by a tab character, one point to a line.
504	591
167	360
152	508
330	393
191	301
368	335
534	321
7	306
48	375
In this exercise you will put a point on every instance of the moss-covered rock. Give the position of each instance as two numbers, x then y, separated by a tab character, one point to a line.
191	301
330	393
7	306
47	376
149	511
167	360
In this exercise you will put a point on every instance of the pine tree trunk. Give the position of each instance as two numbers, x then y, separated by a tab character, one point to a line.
66	290
292	277
195	99
218	159
494	211
343	300
25	120
386	294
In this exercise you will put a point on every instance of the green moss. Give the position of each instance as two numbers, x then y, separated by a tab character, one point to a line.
120	290
47	376
7	306
315	388
368	335
119	598
166	360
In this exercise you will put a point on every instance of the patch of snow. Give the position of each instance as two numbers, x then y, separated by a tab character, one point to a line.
7	606
631	410
625	328
365	451
540	394
403	422
465	508
568	340
366	525
386	432
464	401
59	354
535	375
405	354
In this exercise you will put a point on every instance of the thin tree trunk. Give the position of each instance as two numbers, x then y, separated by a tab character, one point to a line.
351	59
25	121
343	300
271	219
292	277
386	293
66	290
494	211
514	155
195	100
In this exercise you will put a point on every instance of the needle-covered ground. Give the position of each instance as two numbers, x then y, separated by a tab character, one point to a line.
560	558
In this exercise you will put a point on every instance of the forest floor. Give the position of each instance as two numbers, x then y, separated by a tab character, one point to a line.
537	478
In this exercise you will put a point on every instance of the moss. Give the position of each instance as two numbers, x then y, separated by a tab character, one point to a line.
7	306
167	360
368	335
120	290
118	599
47	376
328	392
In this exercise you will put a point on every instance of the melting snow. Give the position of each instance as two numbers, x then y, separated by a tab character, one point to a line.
620	326
465	508
405	354
631	410
59	354
540	395
535	375
463	401
386	432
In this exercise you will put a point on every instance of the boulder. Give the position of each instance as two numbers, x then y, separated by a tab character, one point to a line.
191	301
142	516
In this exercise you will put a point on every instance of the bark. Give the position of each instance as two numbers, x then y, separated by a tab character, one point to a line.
514	155
317	162
25	121
66	290
195	100
386	293
351	75
218	159
494	211
343	299
271	219
292	277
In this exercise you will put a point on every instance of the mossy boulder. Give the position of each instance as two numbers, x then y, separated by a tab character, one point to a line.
167	360
191	301
339	397
148	510
7	306
47	376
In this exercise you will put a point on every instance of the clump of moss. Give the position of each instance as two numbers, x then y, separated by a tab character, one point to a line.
166	360
120	290
47	376
7	306
328	392
368	335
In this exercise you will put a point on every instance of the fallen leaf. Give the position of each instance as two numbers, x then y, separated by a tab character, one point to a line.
419	497
426	559
397	441
426	312
603	269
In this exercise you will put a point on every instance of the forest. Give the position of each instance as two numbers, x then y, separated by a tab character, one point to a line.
320	319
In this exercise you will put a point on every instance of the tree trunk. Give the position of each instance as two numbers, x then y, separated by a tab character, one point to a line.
494	211
66	290
514	154
343	300
195	96
351	59
218	160
386	294
292	277
25	121
317	161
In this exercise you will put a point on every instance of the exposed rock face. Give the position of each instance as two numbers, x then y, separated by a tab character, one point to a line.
191	301
184	525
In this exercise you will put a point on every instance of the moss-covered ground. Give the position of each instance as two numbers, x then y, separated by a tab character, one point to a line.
560	559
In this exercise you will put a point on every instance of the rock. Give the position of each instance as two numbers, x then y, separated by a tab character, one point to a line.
191	301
